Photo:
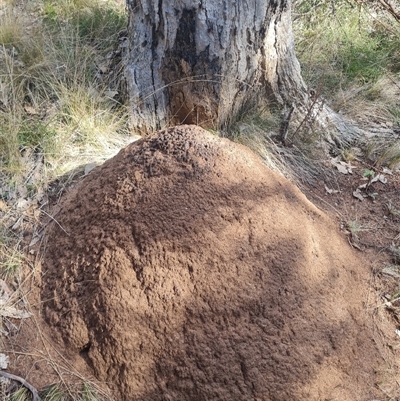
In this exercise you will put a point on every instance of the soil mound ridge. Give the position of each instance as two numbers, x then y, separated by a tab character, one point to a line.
184	269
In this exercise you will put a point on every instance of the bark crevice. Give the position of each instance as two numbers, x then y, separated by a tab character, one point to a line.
209	61
205	63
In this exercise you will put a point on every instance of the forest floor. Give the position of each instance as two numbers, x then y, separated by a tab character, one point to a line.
367	211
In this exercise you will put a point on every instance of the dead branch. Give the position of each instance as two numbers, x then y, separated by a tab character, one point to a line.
308	116
285	124
32	389
388	7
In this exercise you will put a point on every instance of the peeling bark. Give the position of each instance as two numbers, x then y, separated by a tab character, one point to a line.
203	62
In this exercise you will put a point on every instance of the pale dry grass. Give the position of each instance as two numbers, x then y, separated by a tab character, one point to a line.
350	55
375	105
54	117
258	130
374	102
48	87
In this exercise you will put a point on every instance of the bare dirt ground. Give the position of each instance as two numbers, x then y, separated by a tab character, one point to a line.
367	211
184	269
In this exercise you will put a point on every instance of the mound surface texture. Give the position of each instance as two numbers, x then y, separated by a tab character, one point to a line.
187	270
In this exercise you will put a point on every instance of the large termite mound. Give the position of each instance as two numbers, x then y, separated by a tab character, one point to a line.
184	269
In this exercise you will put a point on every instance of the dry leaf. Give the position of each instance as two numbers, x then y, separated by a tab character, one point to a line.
89	167
331	191
34	241
3	206
30	110
10	311
3	361
357	194
110	94
12	329
18	223
387	171
103	68
344	168
382	178
23	204
5	291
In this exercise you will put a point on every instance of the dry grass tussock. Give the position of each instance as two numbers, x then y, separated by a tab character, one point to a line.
301	163
375	104
56	118
49	93
349	52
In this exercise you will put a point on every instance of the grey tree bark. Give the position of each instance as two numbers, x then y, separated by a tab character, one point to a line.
204	61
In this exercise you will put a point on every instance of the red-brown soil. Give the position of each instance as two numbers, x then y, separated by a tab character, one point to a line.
184	269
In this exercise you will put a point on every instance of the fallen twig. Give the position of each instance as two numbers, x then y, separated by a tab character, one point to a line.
59	225
388	7
285	124
32	389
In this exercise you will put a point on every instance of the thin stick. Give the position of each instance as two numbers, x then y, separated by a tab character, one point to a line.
32	389
388	7
59	225
285	124
308	114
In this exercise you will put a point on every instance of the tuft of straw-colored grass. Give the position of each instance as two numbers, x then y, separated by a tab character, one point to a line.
53	393
49	91
89	393
254	129
339	44
376	102
351	56
11	258
53	109
21	394
391	155
11	28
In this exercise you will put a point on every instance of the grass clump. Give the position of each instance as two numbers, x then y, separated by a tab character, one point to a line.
253	129
22	394
391	155
94	22
11	258
340	44
88	393
354	227
53	393
11	30
55	115
47	78
350	55
56	392
35	134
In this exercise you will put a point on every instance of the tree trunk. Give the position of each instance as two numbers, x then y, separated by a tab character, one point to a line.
204	62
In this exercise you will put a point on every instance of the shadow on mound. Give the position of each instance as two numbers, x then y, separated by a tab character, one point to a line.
186	270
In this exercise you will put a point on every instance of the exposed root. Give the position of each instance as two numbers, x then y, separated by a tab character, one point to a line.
35	394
